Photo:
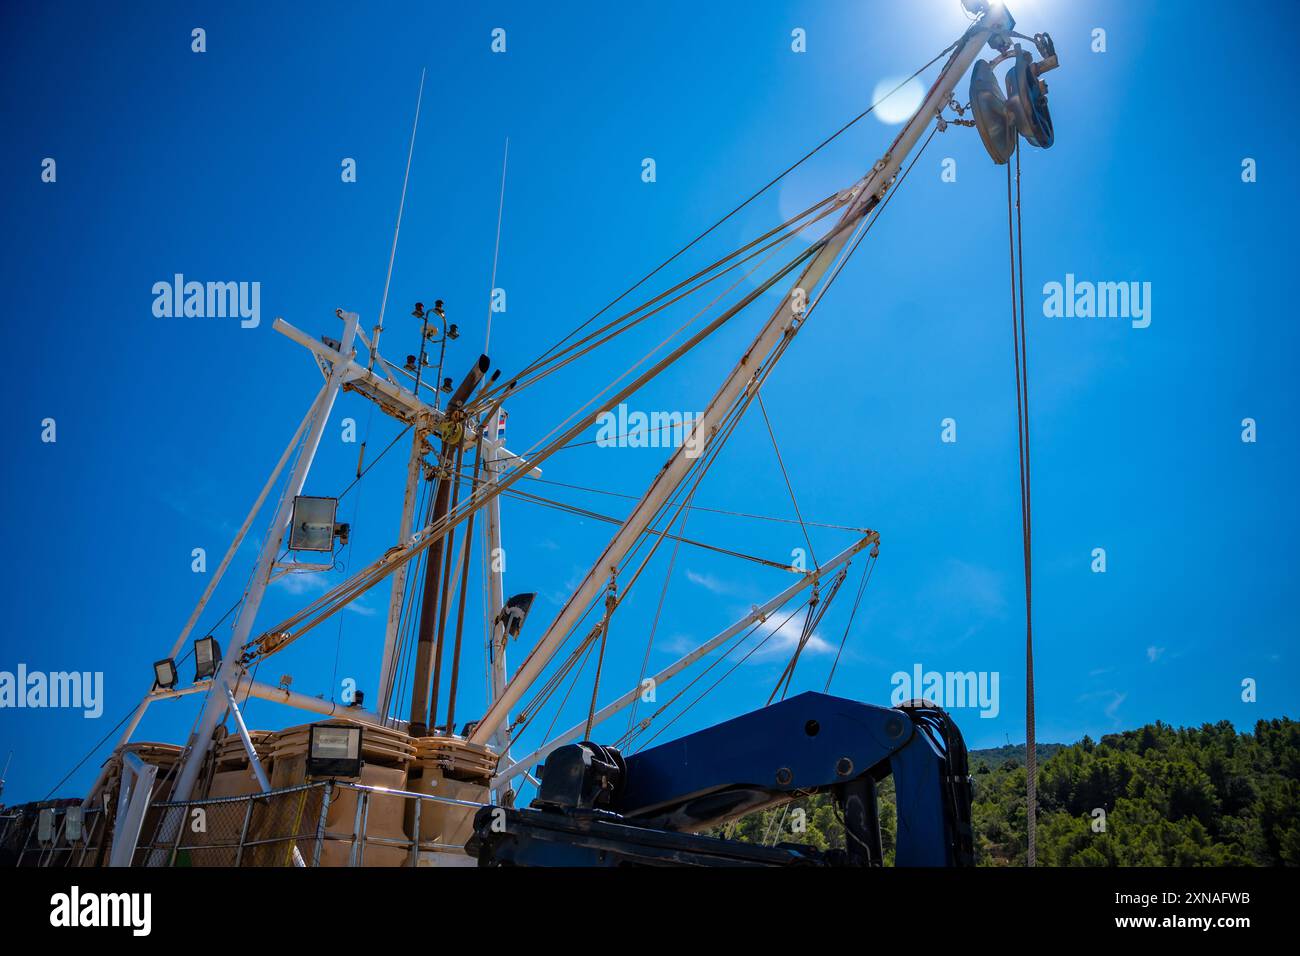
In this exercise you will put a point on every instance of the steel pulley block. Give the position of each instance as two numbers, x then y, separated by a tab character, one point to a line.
1027	97
993	116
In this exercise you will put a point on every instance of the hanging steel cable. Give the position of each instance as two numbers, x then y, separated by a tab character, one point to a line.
1016	244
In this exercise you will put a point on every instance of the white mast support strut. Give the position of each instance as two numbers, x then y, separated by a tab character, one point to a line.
759	613
413	475
494	578
254	763
152	695
392	399
782	322
231	672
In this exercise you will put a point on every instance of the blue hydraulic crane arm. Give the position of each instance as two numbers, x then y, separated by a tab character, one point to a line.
811	742
596	808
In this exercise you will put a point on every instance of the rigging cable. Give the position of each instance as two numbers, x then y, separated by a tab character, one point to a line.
1016	243
789	169
786	475
330	602
654	624
867	568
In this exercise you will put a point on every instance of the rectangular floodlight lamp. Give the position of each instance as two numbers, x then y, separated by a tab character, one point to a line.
45	826
334	750
164	674
207	656
73	820
312	525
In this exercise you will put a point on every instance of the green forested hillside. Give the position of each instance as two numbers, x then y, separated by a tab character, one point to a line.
1167	797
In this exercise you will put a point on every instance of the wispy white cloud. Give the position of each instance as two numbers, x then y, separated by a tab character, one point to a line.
362	608
1153	653
786	637
708	582
1113	698
303	583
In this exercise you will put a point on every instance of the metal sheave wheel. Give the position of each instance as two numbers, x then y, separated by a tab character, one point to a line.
993	117
1028	102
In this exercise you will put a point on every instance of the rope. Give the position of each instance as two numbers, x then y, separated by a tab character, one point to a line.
1016	244
611	603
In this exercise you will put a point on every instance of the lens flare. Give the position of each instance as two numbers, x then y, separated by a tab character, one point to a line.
902	104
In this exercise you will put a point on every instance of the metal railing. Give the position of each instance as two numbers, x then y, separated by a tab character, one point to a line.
285	827
20	835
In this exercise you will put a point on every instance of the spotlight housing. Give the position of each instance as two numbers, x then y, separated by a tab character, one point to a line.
334	750
207	657
164	674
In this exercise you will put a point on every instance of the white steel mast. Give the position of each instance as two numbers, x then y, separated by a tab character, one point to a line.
231	671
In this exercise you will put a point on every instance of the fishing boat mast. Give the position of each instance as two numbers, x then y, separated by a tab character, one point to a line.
474	422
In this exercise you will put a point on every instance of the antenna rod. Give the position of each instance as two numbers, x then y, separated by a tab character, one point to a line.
496	250
383	304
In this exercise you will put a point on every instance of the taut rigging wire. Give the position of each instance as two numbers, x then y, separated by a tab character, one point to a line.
1016	243
772	182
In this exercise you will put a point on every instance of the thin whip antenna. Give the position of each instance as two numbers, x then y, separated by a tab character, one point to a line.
397	229
496	250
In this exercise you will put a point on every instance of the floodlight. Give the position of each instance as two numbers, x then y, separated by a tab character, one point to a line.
73	824
453	332
45	825
207	657
312	527
515	613
164	674
334	750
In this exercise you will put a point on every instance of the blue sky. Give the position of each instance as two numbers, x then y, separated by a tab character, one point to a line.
226	166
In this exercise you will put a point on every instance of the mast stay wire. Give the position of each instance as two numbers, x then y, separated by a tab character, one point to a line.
772	182
517	384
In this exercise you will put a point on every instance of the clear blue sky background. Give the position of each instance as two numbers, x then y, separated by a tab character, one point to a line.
225	166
